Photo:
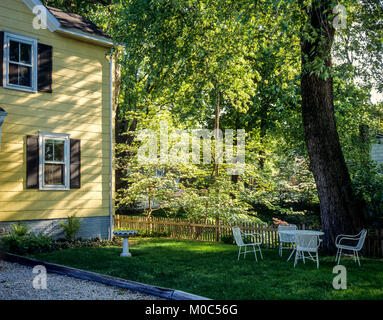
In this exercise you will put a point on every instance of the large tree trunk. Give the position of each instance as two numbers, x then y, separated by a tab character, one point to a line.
341	212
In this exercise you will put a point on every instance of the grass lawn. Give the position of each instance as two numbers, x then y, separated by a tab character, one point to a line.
212	270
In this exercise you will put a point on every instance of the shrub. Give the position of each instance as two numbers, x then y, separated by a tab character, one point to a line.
81	243
71	227
31	243
148	233
227	239
152	234
20	229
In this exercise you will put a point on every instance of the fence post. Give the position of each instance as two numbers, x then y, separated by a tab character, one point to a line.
217	229
117	219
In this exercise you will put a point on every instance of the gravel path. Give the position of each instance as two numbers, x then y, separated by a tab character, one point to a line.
16	283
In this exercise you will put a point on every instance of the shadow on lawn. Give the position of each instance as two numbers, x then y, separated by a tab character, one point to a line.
212	270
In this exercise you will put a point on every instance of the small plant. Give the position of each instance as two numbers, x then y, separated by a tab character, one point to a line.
26	244
227	239
20	229
71	227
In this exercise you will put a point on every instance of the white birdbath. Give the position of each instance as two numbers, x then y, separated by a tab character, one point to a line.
125	234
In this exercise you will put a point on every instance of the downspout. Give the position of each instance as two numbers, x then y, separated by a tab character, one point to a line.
111	146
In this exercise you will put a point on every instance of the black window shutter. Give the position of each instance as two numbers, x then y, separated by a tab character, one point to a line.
44	71
1	57
75	164
32	162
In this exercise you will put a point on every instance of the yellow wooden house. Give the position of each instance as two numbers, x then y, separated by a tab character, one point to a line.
57	134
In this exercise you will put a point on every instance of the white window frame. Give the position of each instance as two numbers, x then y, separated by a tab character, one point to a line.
23	39
54	136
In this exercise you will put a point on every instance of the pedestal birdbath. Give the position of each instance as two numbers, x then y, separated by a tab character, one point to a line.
125	234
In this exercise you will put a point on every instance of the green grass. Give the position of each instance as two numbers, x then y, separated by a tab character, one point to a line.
212	270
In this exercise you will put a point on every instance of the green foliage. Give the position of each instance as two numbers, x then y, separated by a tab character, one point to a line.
147	233
227	239
180	57
31	243
152	234
20	241
62	244
20	229
368	184
71	227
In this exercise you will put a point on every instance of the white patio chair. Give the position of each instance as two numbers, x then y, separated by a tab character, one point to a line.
286	238
357	242
238	236
307	243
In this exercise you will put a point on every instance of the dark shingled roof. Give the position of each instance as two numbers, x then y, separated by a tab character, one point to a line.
72	20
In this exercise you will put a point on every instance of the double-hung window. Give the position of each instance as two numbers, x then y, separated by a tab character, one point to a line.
54	161
20	63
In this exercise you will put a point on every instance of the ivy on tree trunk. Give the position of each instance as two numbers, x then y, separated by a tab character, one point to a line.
341	211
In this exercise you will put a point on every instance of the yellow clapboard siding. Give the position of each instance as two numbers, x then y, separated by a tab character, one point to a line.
19	176
11	166
79	106
89	150
18	141
52	214
36	195
39	99
16	168
66	112
17	186
74	63
102	132
55	204
85	153
60	43
55	115
54	122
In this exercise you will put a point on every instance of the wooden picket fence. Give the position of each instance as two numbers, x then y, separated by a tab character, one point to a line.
207	230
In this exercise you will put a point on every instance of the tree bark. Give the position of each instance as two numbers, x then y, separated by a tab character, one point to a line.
341	211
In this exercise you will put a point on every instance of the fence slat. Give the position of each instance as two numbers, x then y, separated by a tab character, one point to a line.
213	231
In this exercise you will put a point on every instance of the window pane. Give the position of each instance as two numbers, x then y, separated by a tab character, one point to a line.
14	51
54	174
49	150
25	78
13	77
59	151
25	53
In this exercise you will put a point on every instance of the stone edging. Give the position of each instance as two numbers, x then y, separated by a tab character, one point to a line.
165	293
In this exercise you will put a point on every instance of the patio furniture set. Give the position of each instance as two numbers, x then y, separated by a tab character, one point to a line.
304	243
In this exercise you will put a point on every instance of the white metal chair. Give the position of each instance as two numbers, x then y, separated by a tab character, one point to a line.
238	236
307	243
286	238
357	242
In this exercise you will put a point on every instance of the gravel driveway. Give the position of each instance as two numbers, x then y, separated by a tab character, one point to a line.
16	283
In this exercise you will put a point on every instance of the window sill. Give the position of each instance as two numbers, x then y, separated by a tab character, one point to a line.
54	189
17	88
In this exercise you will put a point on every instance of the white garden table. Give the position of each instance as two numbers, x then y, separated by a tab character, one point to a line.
125	234
294	232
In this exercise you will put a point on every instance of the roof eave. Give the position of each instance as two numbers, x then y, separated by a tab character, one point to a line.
104	42
54	25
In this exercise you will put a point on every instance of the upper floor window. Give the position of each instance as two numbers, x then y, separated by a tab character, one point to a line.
20	62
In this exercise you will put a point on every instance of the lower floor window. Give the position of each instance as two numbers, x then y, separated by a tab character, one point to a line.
54	161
